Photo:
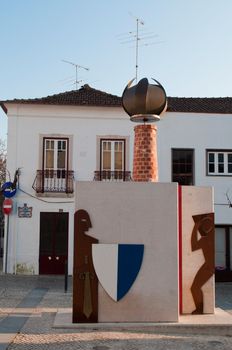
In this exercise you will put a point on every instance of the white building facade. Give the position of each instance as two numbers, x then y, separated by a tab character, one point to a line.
85	135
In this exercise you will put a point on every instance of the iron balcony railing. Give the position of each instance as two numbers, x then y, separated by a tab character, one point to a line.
108	175
60	181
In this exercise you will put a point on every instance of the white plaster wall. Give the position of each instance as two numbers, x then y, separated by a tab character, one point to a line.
142	213
195	201
200	132
25	124
23	253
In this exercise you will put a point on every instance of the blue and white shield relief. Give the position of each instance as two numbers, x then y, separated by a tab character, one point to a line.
117	266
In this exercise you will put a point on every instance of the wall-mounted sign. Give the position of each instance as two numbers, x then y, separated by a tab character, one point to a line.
25	211
9	190
7	206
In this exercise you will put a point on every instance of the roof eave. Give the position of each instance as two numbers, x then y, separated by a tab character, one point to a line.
33	103
3	107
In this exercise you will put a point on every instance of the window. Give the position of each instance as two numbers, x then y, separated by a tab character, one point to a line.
112	160
219	162
182	166
54	174
55	157
112	155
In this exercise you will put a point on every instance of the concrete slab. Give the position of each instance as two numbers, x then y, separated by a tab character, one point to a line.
147	301
33	298
220	317
12	323
221	322
6	339
9	327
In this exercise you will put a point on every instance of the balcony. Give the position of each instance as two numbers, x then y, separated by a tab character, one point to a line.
108	175
54	181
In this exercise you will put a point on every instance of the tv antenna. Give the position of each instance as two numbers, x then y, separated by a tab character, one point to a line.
137	37
138	22
77	66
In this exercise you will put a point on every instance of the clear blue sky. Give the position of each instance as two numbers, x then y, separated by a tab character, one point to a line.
192	57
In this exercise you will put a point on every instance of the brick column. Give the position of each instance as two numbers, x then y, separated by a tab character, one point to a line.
145	164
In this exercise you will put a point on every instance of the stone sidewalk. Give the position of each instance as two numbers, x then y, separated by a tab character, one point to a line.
31	303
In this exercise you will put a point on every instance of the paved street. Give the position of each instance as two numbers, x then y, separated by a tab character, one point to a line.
28	307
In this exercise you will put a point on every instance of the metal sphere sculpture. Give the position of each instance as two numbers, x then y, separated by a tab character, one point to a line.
144	102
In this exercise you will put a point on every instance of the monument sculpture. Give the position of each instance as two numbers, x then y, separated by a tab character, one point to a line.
137	265
145	103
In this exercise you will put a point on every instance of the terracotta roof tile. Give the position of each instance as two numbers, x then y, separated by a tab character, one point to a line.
200	104
84	96
87	96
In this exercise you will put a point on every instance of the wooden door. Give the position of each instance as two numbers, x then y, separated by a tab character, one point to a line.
53	251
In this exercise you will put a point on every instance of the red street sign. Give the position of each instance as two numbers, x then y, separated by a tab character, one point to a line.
7	206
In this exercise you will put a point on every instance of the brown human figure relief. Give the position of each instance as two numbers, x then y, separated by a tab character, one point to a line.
85	282
204	224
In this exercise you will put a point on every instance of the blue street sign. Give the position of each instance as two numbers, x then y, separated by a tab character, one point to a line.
8	190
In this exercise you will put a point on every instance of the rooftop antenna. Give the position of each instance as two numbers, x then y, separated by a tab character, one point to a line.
141	22
133	36
77	66
137	36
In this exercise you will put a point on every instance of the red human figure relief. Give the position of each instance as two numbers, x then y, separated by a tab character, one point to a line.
204	224
85	282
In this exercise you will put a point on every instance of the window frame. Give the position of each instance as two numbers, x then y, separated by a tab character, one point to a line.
67	174
216	162
124	151
193	164
113	137
58	139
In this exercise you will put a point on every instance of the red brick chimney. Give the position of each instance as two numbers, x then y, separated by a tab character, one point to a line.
145	163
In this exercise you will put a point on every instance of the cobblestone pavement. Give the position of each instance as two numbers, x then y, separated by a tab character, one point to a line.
37	333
